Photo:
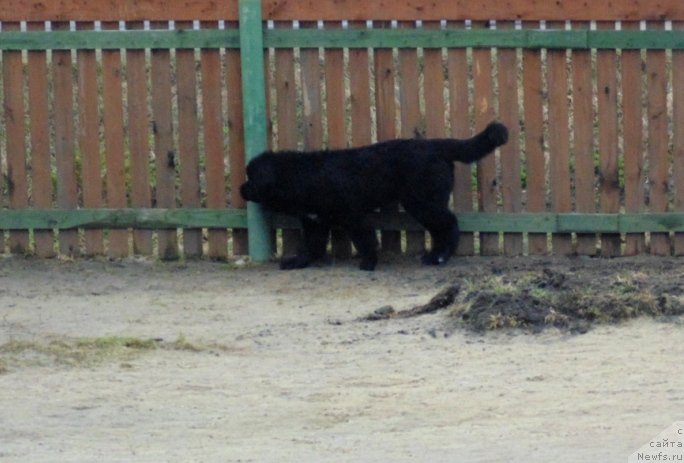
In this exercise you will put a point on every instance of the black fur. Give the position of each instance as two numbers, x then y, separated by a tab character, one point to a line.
338	188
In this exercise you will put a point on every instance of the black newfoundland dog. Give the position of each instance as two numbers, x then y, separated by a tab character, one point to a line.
339	188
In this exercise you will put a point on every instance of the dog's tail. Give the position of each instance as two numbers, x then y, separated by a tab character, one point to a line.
473	149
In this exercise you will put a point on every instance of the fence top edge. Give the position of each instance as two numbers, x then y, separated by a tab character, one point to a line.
339	10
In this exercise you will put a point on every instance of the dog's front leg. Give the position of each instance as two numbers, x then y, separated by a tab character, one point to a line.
366	243
313	245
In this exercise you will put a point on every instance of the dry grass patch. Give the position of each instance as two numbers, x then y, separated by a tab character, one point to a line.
90	352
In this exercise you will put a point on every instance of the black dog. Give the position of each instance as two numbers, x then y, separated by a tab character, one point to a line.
339	188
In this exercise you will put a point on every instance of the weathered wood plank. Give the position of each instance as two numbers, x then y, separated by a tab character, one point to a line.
583	132
386	117
533	98
164	150
678	136
89	139
112	112
312	105
212	121
656	110
459	118
609	182
464	9
65	145
139	138
410	115
15	111
336	123
188	140
633	141
559	142
484	113
41	181
433	89
511	190
286	119
236	138
133	10
359	93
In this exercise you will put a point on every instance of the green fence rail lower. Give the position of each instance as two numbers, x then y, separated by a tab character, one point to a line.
157	219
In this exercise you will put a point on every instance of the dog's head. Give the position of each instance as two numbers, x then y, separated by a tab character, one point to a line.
261	179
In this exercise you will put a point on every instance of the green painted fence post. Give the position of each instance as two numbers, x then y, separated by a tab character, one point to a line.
254	113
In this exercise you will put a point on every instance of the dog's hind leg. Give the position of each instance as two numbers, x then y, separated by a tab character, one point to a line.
443	228
313	246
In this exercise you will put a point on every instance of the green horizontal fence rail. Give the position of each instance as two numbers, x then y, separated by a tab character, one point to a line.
344	38
146	218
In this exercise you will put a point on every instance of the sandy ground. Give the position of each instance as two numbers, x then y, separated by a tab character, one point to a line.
284	372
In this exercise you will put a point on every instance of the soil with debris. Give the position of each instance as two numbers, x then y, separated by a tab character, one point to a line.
570	297
477	361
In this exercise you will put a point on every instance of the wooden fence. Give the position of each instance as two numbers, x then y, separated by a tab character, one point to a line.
124	133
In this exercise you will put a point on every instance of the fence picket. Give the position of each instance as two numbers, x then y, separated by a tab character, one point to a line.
286	113
114	141
236	138
336	116
138	138
409	100
510	153
89	139
484	114
534	140
17	192
657	140
212	123
386	116
459	117
164	151
559	141
359	93
609	186
583	139
41	180
63	109
188	139
312	106
433	89
632	120
678	135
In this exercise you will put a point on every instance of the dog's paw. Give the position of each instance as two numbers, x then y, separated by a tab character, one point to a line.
294	262
368	265
497	133
434	259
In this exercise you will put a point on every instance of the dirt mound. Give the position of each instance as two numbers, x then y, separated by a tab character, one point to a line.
561	298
